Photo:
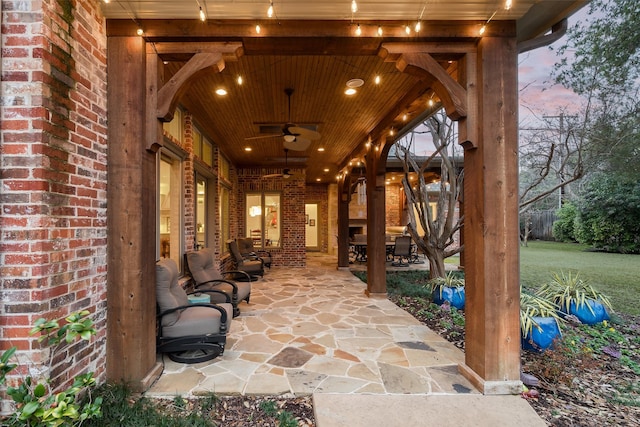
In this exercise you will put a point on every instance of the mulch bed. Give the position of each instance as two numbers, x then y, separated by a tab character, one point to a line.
584	389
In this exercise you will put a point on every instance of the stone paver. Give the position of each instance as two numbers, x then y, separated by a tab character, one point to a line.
367	362
313	329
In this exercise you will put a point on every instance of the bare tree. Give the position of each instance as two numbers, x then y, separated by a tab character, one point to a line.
437	240
551	158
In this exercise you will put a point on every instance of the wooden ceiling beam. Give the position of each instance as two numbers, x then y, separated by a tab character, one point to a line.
176	29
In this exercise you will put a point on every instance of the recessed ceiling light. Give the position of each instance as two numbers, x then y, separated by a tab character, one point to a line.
350	91
355	83
221	92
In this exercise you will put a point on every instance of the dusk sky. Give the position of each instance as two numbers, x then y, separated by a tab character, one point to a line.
538	95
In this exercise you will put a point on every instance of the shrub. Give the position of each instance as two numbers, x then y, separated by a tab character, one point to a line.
608	214
35	402
563	227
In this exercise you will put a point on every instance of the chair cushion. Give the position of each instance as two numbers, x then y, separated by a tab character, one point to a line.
202	265
169	293
198	320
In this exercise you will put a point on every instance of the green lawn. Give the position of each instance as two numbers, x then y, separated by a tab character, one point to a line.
615	275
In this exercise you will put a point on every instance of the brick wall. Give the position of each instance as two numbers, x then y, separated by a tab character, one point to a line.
53	156
292	251
393	205
320	194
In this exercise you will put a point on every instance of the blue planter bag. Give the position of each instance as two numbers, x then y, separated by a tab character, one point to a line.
588	317
540	340
455	296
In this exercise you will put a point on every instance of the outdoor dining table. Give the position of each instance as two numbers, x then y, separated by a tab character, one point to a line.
360	249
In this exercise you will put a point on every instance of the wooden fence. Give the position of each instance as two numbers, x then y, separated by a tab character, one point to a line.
541	224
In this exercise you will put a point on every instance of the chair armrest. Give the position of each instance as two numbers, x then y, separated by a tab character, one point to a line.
227	298
223	314
247	275
229	282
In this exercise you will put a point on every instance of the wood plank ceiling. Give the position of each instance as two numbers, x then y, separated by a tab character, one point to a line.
316	68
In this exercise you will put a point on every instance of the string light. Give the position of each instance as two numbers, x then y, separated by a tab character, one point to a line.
418	26
484	27
380	30
377	80
258	28
203	17
270	10
407	29
354	6
358	30
239	80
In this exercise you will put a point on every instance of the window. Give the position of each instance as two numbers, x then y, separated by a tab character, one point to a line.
174	127
262	218
224	202
201	212
170	208
202	147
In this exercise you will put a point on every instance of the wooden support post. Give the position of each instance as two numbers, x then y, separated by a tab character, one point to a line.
492	348
376	249
131	305
343	223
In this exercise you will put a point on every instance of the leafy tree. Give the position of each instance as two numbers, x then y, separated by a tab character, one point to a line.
439	228
602	63
608	214
564	226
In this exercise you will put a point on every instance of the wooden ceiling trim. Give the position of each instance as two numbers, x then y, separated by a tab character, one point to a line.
185	30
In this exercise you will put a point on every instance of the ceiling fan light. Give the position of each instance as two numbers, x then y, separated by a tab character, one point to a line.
289	138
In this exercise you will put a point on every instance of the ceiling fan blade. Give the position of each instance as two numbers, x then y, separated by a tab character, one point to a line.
298	144
263	136
305	133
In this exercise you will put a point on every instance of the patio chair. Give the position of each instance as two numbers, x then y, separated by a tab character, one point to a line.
188	333
206	275
401	251
245	245
253	267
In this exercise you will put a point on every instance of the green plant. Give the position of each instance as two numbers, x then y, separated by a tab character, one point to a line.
565	289
563	226
534	306
451	280
35	403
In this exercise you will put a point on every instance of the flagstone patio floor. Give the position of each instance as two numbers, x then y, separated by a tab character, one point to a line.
313	331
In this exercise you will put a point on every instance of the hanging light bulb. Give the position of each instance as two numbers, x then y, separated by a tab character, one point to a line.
507	4
270	10
203	17
380	30
140	31
106	1
407	29
377	80
358	30
354	6
418	26
482	29
258	28
239	80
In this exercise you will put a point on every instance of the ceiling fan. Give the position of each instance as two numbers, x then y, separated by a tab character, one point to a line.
286	172
297	138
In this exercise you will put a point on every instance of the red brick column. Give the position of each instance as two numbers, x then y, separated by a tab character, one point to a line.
53	156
